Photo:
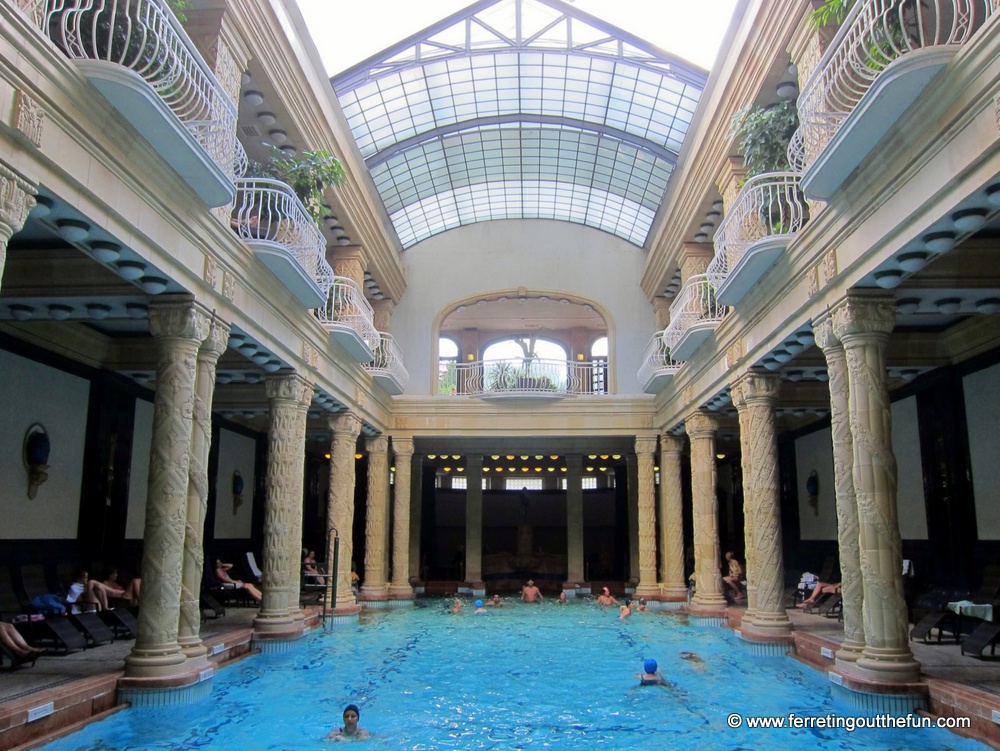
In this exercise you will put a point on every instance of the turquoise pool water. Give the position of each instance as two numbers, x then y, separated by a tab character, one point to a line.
523	677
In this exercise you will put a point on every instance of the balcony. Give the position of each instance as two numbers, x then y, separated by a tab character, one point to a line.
387	365
657	368
694	315
766	214
137	55
350	319
275	224
533	378
881	60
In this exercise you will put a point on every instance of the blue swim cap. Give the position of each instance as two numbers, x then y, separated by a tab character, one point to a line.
649	665
479	603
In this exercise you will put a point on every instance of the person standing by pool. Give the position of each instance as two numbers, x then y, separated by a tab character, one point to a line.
350	731
531	593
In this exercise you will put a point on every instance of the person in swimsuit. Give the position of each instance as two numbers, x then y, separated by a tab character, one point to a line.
735	577
350	731
650	677
531	593
605	598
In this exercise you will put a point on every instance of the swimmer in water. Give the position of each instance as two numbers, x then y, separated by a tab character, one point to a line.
626	610
495	602
649	676
456	607
605	598
694	658
480	610
562	599
350	731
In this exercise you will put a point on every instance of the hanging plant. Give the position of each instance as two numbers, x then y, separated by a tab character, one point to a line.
763	134
307	173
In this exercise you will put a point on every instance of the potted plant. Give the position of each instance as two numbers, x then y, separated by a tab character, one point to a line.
502	376
307	173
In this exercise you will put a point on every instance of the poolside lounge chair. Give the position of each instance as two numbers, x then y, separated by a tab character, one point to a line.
940	617
15	661
121	621
94	629
832	606
210	607
253	567
55	632
985	635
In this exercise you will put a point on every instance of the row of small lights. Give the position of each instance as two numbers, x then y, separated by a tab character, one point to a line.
255	352
712	217
63	312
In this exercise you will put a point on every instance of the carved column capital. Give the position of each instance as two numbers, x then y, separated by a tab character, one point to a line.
671	444
823	330
645	445
345	424
17	198
701	425
290	387
759	387
402	446
377	444
864	315
172	318
736	392
217	341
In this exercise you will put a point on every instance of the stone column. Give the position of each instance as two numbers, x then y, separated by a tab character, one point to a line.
17	198
574	520
851	588
632	497
350	263
416	512
645	450
674	587
346	427
295	548
375	586
863	323
282	559
402	449
746	467
179	328
700	428
759	392
189	627
474	519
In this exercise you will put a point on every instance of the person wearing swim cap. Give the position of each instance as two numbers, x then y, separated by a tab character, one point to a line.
480	610
650	677
350	731
605	599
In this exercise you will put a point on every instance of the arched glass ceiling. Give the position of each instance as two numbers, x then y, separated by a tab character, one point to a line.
520	108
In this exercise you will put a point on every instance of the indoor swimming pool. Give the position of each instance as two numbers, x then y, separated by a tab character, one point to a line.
522	677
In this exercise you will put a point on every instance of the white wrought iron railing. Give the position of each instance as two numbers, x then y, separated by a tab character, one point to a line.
656	359
530	376
695	304
767	205
388	360
268	210
145	37
347	306
874	34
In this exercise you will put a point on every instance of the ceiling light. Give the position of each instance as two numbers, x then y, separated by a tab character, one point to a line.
105	252
136	311
543	298
253	97
787	90
989	305
720	456
343	240
770	363
806	338
794	375
502	298
713	214
888	279
98	312
432	456
821	375
72	230
272	366
21	312
563	301
141	378
43	207
939	242
261	357
562	469
911	262
253	378
223	378
782	355
60	312
267	118
717	205
248	348
794	346
131	270
288	149
992	195
969	220
153	285
278	136
700	237
907	305
948	305
480	302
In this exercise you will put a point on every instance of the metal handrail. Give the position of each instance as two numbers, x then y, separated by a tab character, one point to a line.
767	205
387	360
145	37
874	34
268	210
656	359
532	375
347	306
695	303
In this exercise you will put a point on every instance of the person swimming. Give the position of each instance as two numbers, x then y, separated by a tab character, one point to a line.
650	676
480	610
350	731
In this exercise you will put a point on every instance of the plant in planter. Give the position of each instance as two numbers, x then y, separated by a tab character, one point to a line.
830	11
502	376
307	173
763	134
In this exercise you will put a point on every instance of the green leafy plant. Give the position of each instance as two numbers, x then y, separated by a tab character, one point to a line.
831	11
502	376
763	134
178	7
307	173
448	377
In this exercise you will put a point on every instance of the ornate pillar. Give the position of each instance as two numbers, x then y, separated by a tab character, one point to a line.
708	593
179	328
375	586
673	588
383	314
746	467
759	393
346	428
189	627
863	323
574	520
851	588
282	560
632	498
645	449
416	512
349	262
402	449
17	198
474	519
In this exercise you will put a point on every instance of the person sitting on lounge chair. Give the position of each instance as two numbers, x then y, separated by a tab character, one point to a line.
819	589
16	646
88	591
222	574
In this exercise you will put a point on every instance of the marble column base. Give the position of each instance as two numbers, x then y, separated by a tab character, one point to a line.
347	614
193	649
188	687
885	665
156	665
647	590
849	653
764	644
284	627
873	697
699	611
709	602
404	591
768	624
379	592
673	593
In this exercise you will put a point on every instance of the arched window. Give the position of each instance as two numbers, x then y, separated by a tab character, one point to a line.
599	356
447	365
525	363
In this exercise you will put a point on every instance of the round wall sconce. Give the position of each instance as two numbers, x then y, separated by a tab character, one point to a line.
908	305
105	252
59	312
911	262
266	118
98	311
254	98
72	230
35	454
948	305
237	491
43	207
787	90
136	311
